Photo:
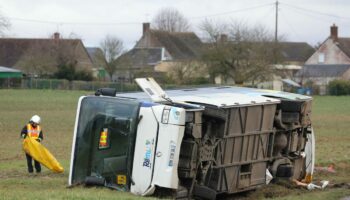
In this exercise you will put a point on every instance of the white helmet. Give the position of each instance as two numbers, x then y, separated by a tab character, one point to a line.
36	119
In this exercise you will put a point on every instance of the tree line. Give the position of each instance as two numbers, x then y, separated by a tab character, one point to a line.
232	51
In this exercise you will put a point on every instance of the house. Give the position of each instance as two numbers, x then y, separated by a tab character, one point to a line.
180	53
334	50
40	57
319	76
99	63
140	62
293	56
330	61
290	59
177	45
159	51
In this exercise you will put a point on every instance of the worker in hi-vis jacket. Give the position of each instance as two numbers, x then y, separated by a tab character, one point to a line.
33	130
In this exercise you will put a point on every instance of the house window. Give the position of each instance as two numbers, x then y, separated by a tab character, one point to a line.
321	58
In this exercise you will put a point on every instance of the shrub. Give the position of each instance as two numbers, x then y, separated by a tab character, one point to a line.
199	81
70	73
339	87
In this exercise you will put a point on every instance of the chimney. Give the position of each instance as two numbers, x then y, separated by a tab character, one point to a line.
146	27
56	35
334	33
223	38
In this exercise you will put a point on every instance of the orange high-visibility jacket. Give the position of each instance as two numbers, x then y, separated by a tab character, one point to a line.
30	131
33	132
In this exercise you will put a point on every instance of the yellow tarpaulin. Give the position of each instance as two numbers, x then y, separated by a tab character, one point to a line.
41	154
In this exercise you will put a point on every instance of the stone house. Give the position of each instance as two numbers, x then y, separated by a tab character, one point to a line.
40	57
334	50
158	52
330	61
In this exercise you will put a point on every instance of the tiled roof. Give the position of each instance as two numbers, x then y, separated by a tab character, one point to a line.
140	57
6	69
344	45
96	56
296	51
289	51
322	70
180	45
12	49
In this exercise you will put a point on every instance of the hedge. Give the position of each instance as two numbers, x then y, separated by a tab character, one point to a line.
339	87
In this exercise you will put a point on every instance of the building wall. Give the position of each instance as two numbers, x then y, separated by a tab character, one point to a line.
182	71
274	84
332	54
346	75
321	83
163	66
84	61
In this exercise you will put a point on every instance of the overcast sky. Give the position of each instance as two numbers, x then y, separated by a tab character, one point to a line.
91	20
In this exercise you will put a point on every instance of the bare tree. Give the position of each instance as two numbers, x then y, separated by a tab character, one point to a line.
170	19
38	60
185	72
239	52
112	47
4	24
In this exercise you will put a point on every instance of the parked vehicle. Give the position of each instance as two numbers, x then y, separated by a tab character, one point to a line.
197	142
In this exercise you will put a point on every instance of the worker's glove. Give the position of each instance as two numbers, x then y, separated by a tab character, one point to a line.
38	140
312	186
23	136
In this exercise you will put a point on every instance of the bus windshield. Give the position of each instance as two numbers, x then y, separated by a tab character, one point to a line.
104	138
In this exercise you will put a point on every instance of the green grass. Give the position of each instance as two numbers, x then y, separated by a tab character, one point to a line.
331	121
57	110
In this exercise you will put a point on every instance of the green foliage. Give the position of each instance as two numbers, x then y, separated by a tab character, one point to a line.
65	72
83	75
70	73
339	87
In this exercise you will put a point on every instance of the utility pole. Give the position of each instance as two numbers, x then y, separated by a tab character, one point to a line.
276	22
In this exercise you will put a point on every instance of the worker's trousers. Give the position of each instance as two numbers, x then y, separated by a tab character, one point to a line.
30	165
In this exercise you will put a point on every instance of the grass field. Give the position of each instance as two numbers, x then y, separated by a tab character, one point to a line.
331	120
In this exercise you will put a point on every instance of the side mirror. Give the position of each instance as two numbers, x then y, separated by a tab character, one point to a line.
106	92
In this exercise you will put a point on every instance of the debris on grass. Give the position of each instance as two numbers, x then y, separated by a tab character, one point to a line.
311	186
329	169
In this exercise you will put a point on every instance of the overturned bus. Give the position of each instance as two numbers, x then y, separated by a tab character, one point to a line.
193	143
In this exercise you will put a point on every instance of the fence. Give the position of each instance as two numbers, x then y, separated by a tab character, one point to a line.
54	84
58	84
